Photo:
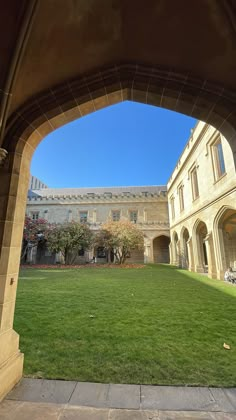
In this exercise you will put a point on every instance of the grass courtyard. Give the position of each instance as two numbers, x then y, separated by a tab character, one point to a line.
152	325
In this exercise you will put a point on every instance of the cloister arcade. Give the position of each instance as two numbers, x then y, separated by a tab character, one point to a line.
207	247
62	60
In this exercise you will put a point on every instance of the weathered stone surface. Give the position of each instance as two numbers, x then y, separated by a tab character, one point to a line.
90	394
14	410
133	415
177	398
124	396
225	397
42	390
84	413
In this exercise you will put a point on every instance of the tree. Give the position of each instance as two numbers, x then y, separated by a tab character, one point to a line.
69	239
121	237
34	234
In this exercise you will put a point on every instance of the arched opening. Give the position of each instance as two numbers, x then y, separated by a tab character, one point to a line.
227	239
161	249
201	233
185	253
56	107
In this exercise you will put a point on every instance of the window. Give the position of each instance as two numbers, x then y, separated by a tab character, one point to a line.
83	216
172	206
107	194
133	216
145	193
194	183
181	197
35	215
115	215
81	252
218	159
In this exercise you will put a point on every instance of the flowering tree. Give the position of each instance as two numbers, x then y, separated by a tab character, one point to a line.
34	234
69	239
121	237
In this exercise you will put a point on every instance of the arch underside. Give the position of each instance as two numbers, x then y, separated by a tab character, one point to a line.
154	86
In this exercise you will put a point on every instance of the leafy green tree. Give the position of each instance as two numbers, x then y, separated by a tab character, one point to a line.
69	239
121	238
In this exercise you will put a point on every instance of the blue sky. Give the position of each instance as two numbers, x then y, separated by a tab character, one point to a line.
125	144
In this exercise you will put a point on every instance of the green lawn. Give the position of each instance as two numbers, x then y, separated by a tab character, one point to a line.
155	325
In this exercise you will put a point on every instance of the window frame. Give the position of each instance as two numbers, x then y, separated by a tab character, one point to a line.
34	213
181	197
82	219
113	212
172	206
194	182
217	160
131	212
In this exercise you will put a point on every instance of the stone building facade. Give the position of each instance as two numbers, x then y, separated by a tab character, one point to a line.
190	223
146	206
202	204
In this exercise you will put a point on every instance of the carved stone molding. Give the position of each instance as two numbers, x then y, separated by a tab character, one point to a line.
3	155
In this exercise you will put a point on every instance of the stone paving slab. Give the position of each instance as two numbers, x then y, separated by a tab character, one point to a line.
225	397
124	396
42	390
231	395
177	398
90	394
84	413
106	395
15	410
120	396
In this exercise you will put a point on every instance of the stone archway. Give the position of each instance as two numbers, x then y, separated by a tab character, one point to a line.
201	254
161	249
50	110
41	112
225	238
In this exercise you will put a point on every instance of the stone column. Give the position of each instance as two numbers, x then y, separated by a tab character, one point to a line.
171	254
190	255
147	252
14	181
177	261
210	256
198	260
151	253
219	247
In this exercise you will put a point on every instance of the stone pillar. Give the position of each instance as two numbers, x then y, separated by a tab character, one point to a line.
171	253
210	256
198	258
219	247
190	255
14	181
177	261
148	252
151	257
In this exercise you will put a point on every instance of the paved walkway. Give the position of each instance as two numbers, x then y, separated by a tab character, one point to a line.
37	399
